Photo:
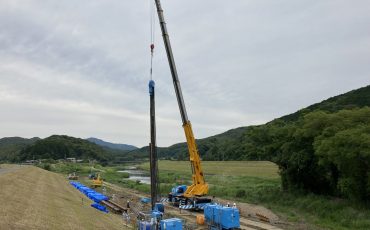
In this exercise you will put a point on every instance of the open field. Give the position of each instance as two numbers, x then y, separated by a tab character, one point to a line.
241	180
260	169
32	198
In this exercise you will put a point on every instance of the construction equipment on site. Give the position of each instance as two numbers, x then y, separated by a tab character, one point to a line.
157	208
153	147
220	217
92	195
113	206
72	176
102	202
152	219
191	196
91	175
171	224
96	181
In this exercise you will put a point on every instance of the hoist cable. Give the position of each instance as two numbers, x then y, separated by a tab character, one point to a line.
152	35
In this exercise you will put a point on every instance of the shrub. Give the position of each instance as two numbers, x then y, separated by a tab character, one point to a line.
240	193
45	166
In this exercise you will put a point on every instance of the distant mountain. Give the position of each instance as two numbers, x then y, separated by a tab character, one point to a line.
10	147
100	142
235	144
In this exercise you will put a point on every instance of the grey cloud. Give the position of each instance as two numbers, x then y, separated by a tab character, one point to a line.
81	68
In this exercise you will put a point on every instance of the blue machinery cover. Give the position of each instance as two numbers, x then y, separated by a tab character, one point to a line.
92	195
145	200
145	225
171	224
99	207
226	217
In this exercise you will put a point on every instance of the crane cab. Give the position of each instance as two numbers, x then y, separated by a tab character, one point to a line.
178	199
177	193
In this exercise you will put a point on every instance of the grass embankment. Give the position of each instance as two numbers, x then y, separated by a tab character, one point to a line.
32	198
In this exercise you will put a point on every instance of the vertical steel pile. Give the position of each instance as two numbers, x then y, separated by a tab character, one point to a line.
153	148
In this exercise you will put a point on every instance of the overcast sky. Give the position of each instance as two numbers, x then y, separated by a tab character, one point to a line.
81	68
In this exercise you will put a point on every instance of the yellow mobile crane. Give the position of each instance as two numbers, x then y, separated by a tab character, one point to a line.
189	196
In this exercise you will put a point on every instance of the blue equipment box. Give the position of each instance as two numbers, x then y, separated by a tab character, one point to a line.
171	224
144	225
208	212
226	217
159	207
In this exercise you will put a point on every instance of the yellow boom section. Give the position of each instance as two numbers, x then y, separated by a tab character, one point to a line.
199	186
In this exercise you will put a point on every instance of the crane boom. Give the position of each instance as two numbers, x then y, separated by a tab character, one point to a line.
199	186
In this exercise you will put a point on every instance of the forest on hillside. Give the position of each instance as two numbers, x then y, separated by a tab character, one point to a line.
10	147
324	148
325	153
61	147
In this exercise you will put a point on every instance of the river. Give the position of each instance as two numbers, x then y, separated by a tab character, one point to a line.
137	175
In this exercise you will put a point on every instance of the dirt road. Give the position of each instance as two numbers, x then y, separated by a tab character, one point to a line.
9	168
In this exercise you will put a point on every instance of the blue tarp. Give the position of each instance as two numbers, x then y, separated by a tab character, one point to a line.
99	207
91	194
145	200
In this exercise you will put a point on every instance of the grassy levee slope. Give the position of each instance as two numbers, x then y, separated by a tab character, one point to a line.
33	198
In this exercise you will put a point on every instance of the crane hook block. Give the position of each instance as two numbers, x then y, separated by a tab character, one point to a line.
151	87
152	47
